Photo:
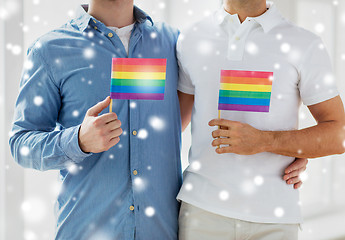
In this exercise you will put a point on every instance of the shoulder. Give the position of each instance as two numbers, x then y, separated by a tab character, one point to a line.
299	37
46	43
161	30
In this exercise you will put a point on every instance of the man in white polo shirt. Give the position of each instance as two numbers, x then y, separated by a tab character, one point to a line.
236	191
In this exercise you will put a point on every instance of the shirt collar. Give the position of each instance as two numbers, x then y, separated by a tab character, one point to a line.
83	19
268	20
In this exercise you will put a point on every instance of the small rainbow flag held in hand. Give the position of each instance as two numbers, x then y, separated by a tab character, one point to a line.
138	78
248	91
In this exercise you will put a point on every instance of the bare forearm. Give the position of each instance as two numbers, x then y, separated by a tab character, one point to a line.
324	139
186	106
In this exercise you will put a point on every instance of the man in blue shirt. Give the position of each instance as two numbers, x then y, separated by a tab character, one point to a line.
120	172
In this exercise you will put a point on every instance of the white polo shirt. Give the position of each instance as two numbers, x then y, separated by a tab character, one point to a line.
249	188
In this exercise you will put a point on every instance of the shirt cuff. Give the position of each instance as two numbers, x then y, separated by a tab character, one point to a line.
70	145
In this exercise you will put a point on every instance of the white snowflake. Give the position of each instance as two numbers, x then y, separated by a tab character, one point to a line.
279	36
30	235
38	44
111	156
34	209
150	211
303	176
89	53
73	169
142	133
319	28
38	100
285	47
133	105
71	13
24	151
36	18
157	123
277	66
75	113
258	180
16	49
139	184
328	79
36	2
279	212
224	195
25	28
188	186
3	13
90	34
196	165
233	47
161	5
149	168
204	47
153	35
252	48
248	187
302	116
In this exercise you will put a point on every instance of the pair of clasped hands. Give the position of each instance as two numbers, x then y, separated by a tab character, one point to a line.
100	133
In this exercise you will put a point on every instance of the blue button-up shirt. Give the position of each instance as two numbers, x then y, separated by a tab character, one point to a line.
130	190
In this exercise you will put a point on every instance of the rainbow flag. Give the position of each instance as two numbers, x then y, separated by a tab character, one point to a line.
248	91
138	78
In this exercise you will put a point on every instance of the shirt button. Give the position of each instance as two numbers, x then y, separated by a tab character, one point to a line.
95	28
134	133
135	172
237	38
110	35
131	208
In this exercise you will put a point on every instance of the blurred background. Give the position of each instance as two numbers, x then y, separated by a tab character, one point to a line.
27	197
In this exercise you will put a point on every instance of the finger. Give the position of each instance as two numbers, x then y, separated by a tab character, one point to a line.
108	117
227	149
113	125
99	107
220	133
113	142
221	141
224	128
291	175
293	180
115	133
220	122
297	185
297	164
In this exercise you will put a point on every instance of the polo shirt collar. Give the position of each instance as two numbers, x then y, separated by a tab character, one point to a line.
82	19
270	19
267	21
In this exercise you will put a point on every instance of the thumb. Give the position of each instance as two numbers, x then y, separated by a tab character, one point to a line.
99	107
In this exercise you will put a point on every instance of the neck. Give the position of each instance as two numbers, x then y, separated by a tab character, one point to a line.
245	8
113	13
